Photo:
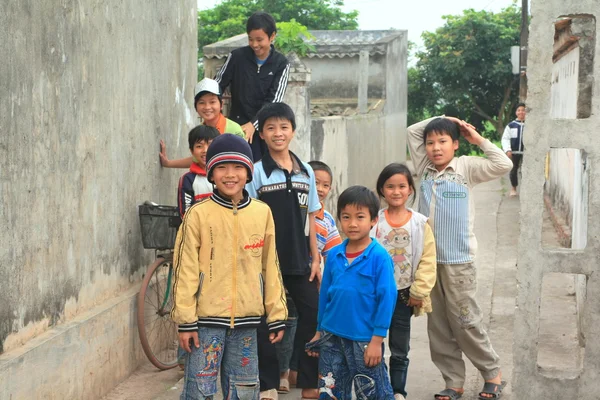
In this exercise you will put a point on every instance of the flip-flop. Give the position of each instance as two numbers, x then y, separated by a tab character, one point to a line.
492	389
284	386
450	393
270	394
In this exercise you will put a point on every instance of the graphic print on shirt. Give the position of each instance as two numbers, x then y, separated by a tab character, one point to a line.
396	242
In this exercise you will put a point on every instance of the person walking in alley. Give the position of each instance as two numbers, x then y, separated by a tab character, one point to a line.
408	239
358	295
257	74
287	185
455	324
226	277
512	144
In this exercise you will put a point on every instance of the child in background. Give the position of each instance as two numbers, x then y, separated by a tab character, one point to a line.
209	105
257	74
408	239
327	238
455	324
512	144
193	185
357	300
224	255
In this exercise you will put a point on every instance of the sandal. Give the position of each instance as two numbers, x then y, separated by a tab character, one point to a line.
493	389
270	394
284	386
449	393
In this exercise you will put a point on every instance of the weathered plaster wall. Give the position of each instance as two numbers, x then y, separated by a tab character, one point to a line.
88	89
356	148
529	381
338	77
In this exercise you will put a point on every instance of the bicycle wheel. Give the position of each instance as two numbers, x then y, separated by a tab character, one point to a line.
158	333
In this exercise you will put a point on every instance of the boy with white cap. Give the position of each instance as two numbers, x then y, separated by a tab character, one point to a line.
209	105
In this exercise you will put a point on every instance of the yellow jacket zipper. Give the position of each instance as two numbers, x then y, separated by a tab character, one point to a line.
234	269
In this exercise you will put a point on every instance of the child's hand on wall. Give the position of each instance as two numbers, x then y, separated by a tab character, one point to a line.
164	160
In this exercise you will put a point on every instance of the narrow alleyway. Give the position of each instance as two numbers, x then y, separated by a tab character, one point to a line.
497	230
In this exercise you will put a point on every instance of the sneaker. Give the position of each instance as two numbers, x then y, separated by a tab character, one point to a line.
398	396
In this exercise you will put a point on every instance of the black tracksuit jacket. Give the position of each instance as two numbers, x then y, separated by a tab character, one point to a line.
253	86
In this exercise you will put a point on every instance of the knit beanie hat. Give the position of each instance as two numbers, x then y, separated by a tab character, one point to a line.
228	148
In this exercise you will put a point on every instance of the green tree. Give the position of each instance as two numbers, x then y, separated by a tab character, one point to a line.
290	38
465	67
228	18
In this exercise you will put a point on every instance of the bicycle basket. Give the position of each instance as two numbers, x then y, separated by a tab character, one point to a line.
159	226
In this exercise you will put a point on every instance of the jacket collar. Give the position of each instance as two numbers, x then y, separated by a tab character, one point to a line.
227	203
364	254
252	56
452	165
270	165
197	169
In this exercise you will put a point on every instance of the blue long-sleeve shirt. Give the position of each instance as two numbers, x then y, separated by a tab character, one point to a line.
357	300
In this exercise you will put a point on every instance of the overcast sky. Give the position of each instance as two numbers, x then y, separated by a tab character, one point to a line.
415	16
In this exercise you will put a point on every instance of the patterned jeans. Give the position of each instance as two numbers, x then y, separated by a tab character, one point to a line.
342	365
230	352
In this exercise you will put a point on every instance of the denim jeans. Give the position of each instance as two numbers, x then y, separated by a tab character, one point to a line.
230	352
285	348
399	342
342	365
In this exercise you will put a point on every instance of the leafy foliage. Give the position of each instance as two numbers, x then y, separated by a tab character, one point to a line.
228	18
290	38
465	71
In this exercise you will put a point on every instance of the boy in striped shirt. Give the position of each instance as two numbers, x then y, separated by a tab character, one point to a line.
446	197
327	232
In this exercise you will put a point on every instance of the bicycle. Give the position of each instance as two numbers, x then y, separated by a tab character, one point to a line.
158	333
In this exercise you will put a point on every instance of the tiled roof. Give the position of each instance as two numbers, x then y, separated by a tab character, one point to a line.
327	43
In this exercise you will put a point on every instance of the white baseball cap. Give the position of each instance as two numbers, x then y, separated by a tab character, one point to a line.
207	85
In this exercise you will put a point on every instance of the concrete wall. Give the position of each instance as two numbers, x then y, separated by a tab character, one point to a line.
338	77
565	80
88	89
530	381
356	148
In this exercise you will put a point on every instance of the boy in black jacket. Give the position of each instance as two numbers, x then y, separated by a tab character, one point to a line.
256	74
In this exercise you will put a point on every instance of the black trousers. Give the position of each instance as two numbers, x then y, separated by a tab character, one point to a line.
306	298
514	172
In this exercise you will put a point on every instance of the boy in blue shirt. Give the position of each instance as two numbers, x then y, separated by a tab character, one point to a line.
357	301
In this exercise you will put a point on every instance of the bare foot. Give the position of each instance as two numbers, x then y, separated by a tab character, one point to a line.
310	393
513	192
293	377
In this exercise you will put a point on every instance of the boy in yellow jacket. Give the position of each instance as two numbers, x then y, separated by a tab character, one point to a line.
226	277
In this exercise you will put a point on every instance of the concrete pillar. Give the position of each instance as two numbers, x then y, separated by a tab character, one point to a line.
363	82
297	96
529	381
